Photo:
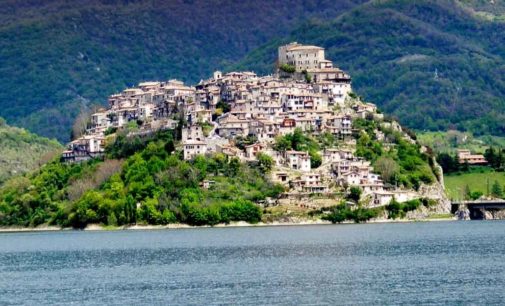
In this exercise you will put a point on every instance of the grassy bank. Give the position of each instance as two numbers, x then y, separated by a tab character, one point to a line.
477	181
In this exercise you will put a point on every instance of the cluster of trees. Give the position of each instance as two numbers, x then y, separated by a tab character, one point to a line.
495	158
223	107
152	186
300	141
354	194
450	162
122	145
401	163
40	197
241	142
343	212
497	190
287	68
399	210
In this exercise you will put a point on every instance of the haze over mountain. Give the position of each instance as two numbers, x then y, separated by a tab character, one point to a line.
434	64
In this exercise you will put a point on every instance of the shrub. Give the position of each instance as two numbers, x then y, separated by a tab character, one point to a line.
287	68
342	212
399	210
354	193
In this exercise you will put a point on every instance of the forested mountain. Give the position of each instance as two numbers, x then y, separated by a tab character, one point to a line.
434	64
57	57
22	151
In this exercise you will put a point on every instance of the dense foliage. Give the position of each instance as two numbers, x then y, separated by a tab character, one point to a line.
58	57
21	151
152	186
434	64
300	141
398	160
287	68
397	210
342	212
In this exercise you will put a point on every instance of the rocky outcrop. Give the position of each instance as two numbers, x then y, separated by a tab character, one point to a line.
436	192
463	213
492	214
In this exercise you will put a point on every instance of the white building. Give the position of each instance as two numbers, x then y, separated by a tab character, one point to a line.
298	160
192	148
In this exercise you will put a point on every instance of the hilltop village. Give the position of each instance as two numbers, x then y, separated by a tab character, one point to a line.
243	115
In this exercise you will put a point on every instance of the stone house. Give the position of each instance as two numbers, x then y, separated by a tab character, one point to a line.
302	57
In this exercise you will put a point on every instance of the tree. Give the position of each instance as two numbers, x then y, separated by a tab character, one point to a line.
499	160
387	168
130	210
315	159
241	142
490	154
282	144
394	209
354	193
448	163
475	195
233	167
496	190
287	68
81	123
111	219
338	214
265	162
467	192
225	107
298	140
495	158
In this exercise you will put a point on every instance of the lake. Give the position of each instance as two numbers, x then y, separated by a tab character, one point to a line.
395	263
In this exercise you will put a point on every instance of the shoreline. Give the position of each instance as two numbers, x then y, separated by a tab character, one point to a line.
175	226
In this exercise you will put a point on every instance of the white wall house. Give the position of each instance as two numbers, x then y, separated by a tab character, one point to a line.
192	148
298	160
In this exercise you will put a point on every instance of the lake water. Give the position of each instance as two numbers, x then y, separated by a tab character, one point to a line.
408	263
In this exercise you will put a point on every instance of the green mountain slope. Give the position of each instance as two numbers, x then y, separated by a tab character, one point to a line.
57	56
21	151
433	64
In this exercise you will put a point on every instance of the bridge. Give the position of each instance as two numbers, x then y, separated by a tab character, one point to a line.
476	207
